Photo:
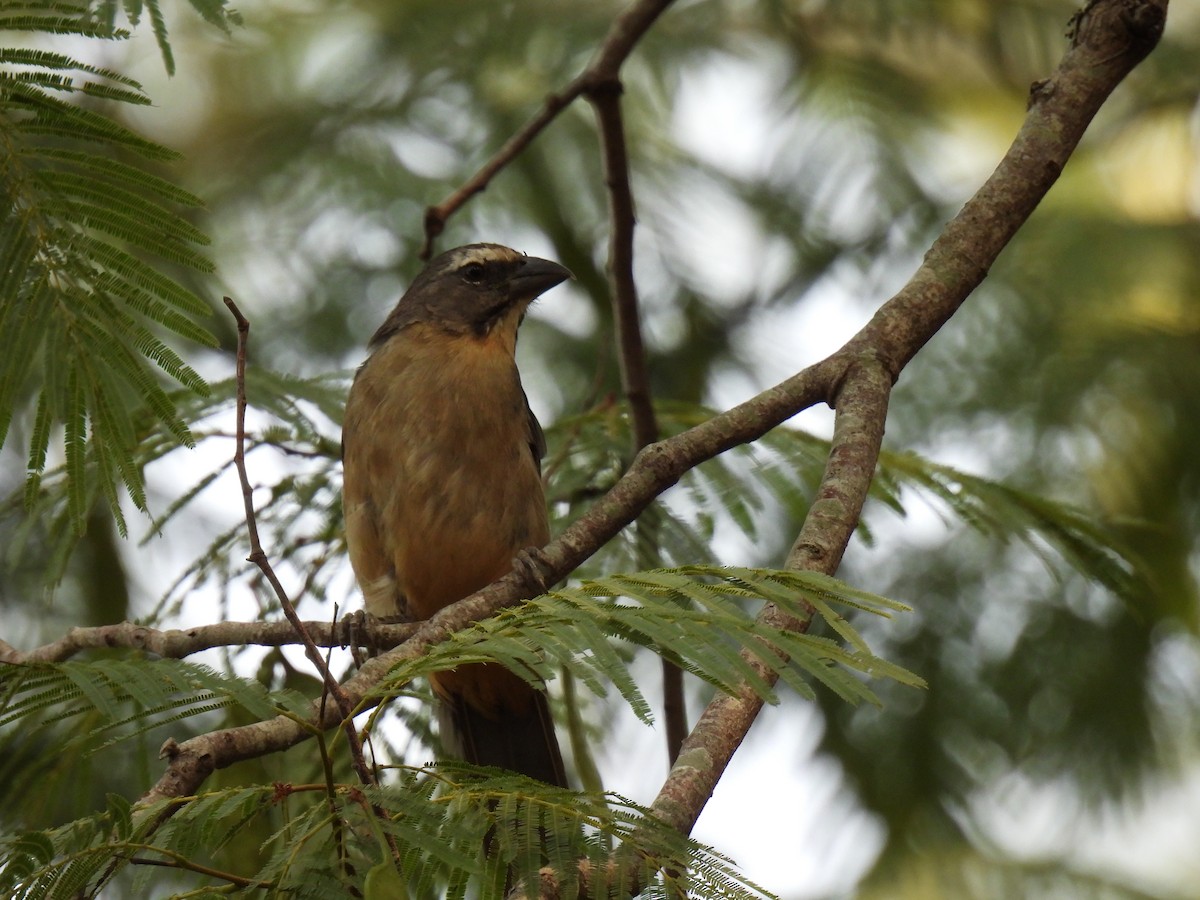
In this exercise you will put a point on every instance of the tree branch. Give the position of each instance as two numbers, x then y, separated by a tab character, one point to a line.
605	97
1112	36
1059	113
259	558
653	471
827	529
604	94
1109	38
831	520
181	643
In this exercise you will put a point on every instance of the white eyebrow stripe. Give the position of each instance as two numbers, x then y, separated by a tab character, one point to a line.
486	255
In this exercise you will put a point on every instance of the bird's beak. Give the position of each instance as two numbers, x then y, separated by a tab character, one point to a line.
536	276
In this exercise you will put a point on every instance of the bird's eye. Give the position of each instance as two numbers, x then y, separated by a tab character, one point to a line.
473	272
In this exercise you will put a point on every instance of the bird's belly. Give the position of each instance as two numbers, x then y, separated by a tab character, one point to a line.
442	486
461	533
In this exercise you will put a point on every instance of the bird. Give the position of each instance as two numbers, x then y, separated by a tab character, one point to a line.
442	487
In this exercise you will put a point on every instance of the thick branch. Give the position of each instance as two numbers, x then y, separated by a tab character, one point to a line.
1113	36
1110	38
831	520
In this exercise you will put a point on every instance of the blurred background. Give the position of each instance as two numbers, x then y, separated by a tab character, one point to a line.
792	160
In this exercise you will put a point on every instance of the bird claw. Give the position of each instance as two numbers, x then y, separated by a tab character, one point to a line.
356	632
531	564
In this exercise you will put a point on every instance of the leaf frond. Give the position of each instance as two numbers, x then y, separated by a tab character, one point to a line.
81	266
693	615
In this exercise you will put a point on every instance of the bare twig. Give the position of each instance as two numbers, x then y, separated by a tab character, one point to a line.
624	34
605	97
179	861
259	558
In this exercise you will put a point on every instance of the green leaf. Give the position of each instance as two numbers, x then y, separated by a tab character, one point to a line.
684	614
82	262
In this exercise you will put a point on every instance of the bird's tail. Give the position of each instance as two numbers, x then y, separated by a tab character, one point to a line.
512	730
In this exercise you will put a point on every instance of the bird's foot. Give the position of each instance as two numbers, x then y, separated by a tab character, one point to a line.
356	631
531	565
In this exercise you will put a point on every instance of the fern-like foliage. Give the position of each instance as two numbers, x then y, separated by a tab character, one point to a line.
326	842
693	615
82	287
1004	513
131	697
442	818
215	12
589	452
300	515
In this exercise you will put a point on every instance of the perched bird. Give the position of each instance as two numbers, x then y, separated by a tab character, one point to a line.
442	461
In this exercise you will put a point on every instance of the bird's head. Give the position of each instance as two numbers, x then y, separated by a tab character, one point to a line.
477	290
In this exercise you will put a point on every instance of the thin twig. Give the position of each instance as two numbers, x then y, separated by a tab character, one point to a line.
624	34
605	97
635	379
259	558
604	93
436	216
178	861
